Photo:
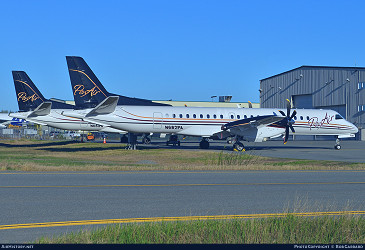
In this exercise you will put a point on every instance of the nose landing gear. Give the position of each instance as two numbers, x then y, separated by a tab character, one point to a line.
337	145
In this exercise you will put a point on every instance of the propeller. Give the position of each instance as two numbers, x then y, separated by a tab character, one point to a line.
289	120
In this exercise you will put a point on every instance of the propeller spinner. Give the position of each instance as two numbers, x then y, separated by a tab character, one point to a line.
289	120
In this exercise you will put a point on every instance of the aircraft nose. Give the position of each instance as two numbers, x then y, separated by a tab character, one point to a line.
354	129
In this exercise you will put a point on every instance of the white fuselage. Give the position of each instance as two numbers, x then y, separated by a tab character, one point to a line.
55	119
205	122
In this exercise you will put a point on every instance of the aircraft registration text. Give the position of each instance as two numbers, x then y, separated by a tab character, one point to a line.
174	127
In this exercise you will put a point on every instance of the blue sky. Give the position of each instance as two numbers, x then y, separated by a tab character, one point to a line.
181	50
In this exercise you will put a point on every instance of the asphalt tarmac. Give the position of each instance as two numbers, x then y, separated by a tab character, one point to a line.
84	196
352	151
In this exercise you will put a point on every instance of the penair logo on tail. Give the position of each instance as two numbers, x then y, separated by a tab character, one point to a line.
22	96
80	90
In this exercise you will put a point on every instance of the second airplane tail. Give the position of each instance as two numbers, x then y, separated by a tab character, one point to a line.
86	87
89	92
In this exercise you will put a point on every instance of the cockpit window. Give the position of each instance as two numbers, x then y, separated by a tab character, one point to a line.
338	117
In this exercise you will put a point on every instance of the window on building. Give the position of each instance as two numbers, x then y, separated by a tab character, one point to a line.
361	108
361	85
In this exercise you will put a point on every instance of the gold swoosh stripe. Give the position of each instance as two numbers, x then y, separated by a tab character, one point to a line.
30	88
90	80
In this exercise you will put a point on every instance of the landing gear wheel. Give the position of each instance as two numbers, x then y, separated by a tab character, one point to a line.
337	146
146	140
238	146
124	139
173	140
204	144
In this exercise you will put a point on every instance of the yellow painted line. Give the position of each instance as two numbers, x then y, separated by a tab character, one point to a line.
183	218
187	185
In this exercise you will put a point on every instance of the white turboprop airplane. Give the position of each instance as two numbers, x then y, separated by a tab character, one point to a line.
35	108
250	124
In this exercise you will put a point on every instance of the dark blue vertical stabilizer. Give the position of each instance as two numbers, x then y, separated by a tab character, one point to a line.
89	92
28	95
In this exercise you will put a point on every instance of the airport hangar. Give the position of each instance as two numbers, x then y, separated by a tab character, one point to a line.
319	87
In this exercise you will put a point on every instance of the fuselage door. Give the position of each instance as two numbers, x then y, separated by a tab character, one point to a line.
157	120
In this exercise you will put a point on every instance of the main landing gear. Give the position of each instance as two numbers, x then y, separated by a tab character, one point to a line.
146	140
204	143
337	145
174	140
132	141
237	145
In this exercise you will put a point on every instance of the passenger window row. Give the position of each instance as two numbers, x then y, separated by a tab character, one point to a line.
231	116
301	118
207	116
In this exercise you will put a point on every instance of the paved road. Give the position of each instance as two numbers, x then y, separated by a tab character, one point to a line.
57	197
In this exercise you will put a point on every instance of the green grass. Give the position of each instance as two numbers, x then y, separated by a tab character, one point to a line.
30	155
286	230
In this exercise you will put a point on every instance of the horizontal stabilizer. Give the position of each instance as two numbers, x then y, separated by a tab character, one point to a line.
105	107
43	109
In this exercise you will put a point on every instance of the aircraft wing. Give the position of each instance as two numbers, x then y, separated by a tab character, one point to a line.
253	122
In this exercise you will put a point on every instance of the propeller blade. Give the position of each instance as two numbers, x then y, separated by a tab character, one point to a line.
292	115
286	135
288	106
282	113
291	128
